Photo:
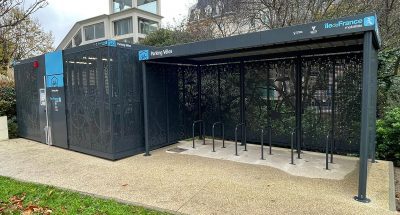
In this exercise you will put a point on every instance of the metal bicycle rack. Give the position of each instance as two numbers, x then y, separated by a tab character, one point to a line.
245	145
262	141
327	151
202	127
262	144
270	139
332	146
223	134
291	148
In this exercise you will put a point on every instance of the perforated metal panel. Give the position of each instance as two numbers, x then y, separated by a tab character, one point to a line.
103	91
30	115
270	99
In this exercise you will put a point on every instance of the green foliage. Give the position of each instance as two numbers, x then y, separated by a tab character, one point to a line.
12	128
388	136
8	108
27	195
167	37
7	101
388	80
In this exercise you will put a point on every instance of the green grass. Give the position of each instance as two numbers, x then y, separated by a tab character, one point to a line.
57	201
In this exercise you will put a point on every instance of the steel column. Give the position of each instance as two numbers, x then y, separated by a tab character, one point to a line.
199	98
242	105
298	106
145	112
333	107
365	119
167	104
269	109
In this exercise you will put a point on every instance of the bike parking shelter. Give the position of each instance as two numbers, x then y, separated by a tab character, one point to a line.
316	80
307	87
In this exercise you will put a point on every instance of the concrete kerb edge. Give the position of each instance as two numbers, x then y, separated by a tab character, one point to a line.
104	197
392	191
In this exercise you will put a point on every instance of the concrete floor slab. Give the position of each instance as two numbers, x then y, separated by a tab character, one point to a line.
311	164
193	184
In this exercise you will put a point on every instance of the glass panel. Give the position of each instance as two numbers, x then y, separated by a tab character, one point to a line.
94	31
119	5
89	32
78	38
99	30
147	26
148	5
123	26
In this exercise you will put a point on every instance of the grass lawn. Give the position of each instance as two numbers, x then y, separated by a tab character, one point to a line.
27	198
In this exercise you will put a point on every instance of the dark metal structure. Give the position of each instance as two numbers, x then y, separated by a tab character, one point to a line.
93	99
312	87
304	82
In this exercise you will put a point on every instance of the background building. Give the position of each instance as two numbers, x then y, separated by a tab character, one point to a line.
129	21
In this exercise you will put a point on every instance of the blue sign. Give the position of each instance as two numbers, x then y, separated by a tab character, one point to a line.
54	69
112	43
369	21
144	55
53	81
54	63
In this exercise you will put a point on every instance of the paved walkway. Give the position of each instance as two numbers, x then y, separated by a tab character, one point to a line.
193	184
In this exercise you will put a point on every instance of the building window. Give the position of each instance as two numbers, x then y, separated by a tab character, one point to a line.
126	40
147	26
94	31
148	5
78	38
123	26
120	5
69	45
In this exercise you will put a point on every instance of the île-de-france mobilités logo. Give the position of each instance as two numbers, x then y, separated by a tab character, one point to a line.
369	21
144	55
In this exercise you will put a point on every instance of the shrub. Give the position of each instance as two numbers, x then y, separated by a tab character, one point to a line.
388	136
8	108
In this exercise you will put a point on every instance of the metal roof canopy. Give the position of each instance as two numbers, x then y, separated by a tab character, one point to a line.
357	33
331	36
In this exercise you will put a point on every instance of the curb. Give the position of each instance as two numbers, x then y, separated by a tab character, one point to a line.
392	192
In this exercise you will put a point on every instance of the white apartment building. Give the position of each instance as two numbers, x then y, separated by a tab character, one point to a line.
129	21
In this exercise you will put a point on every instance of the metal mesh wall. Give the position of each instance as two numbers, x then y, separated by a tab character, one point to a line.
28	81
103	93
88	104
331	96
126	101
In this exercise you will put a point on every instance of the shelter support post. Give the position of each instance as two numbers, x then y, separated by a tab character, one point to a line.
333	108
199	100
269	108
242	105
298	106
368	113
145	111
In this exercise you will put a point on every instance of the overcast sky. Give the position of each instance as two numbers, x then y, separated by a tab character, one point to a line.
60	15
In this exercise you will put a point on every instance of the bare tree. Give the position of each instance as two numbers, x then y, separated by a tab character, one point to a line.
23	39
9	19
